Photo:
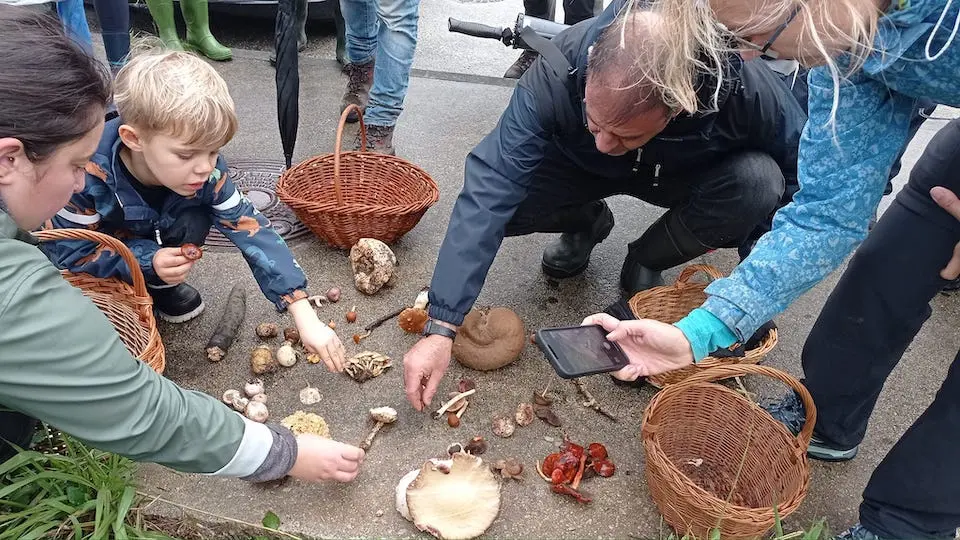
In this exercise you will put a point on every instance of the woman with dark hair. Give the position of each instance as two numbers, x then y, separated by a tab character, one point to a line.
61	361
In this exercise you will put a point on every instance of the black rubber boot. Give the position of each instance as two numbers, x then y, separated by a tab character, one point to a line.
570	254
667	243
177	304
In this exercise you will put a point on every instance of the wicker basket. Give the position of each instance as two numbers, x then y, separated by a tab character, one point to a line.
697	430
129	308
670	303
345	196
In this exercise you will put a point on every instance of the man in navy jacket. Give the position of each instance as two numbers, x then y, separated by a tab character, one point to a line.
584	124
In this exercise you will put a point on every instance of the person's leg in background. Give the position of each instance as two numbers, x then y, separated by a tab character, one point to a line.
541	9
878	306
163	18
199	38
396	45
74	19
360	28
114	17
16	429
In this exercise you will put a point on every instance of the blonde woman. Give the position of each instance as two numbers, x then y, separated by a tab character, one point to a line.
873	58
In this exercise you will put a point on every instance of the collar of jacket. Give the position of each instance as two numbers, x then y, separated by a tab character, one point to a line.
10	231
684	123
103	167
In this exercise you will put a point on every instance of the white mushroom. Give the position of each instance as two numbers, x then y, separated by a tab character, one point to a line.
310	395
453	499
253	387
382	416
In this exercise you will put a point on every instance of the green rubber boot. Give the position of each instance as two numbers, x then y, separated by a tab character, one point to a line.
199	38
162	13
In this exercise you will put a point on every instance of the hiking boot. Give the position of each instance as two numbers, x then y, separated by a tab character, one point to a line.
359	81
178	303
521	65
379	140
790	412
570	254
857	532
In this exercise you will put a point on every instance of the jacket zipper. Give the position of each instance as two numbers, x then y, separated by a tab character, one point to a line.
636	164
656	175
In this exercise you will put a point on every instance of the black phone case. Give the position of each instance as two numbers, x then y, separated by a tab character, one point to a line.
556	363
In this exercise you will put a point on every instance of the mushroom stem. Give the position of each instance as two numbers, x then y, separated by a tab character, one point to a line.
423	298
579	476
464	408
453	400
540	472
365	445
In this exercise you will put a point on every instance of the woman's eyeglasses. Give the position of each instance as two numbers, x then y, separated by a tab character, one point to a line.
764	49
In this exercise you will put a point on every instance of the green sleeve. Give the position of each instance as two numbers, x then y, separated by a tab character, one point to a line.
62	362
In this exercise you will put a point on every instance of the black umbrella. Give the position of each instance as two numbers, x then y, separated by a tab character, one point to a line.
288	75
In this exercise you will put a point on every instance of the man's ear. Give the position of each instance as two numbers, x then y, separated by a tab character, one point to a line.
131	137
13	157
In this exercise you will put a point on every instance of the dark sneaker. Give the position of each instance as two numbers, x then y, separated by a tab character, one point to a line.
857	532
521	65
570	254
359	81
177	304
379	140
790	412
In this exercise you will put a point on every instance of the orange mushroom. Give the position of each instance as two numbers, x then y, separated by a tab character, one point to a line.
414	318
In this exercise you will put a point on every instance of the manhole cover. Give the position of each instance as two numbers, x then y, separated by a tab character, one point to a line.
258	181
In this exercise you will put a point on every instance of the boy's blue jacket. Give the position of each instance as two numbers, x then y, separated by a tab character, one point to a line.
110	204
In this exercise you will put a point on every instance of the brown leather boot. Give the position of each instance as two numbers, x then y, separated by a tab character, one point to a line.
379	140
360	79
522	64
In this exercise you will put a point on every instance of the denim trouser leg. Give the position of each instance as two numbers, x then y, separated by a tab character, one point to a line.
361	26
391	75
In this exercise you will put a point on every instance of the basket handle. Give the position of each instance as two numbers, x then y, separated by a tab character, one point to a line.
139	284
735	370
339	143
691	270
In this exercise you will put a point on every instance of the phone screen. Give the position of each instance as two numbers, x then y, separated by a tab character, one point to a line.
581	350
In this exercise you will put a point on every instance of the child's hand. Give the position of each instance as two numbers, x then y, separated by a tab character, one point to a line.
323	459
171	266
317	337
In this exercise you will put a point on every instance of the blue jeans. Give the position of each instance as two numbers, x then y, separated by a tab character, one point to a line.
385	31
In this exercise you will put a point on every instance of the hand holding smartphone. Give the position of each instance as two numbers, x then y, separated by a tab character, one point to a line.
575	351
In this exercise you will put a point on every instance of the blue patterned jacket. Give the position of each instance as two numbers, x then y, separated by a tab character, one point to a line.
842	171
110	204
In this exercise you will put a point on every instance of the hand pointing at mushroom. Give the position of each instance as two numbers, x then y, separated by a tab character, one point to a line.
423	369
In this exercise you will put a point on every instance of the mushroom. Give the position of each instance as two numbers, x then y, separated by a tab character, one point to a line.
373	265
230	396
302	422
310	395
414	318
509	468
253	387
381	415
524	414
503	426
456	498
489	338
367	365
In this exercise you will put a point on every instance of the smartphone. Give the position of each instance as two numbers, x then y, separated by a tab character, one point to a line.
575	351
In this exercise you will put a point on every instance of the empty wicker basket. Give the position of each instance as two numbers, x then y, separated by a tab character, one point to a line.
716	460
670	303
345	196
129	308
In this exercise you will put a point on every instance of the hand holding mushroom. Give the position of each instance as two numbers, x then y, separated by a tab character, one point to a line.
319	459
316	336
423	368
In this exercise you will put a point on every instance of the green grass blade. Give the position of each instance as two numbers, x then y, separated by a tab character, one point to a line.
126	501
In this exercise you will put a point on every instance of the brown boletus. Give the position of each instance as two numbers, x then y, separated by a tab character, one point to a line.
489	338
456	498
414	318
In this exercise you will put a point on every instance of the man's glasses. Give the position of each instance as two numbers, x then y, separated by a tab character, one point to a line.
764	49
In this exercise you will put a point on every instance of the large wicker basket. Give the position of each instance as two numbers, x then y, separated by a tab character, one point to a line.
670	303
705	443
345	196
129	308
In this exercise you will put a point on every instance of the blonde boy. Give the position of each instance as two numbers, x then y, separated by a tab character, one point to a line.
157	181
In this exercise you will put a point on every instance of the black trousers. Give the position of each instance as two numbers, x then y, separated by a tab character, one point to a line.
574	11
876	309
719	206
15	429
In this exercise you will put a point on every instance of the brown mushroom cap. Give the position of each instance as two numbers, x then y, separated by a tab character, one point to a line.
412	320
489	338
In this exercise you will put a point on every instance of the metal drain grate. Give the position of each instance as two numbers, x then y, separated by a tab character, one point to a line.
257	179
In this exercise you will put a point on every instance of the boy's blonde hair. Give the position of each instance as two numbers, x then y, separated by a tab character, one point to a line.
177	94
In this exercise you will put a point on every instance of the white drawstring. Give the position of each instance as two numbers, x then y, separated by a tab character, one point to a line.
953	34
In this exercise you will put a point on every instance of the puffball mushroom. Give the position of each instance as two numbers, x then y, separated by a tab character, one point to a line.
453	499
286	356
310	395
253	387
489	338
240	404
230	396
257	411
262	360
382	416
373	265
